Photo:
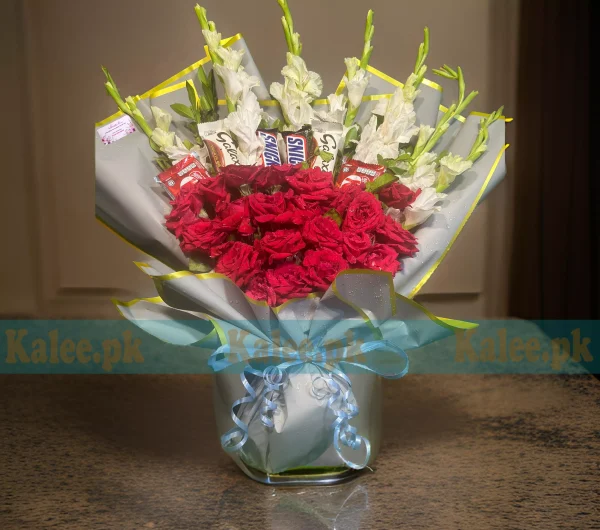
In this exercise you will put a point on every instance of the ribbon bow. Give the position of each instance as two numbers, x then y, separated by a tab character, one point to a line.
331	384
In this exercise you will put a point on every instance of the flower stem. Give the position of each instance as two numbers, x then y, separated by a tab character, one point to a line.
420	67
369	33
292	39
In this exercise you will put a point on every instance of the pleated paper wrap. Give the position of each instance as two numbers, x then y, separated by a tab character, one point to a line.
370	314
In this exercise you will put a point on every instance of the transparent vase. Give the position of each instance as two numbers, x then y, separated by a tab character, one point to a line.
308	424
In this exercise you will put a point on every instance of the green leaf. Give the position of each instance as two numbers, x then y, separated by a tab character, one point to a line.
381	182
397	170
183	110
326	156
335	216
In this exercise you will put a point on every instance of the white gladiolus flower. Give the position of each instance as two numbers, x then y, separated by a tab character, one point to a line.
305	81
232	59
179	151
423	177
371	144
162	138
236	83
398	127
337	109
243	124
162	119
423	207
213	39
409	91
356	81
356	87
450	167
425	132
352	66
294	105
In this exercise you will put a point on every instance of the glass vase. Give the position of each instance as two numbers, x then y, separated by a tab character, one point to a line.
307	424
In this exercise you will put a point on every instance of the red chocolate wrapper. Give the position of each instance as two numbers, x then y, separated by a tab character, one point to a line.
356	172
185	172
298	145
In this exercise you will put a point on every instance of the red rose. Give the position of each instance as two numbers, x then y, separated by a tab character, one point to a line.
203	235
271	176
260	289
288	281
310	181
235	216
281	244
354	244
344	196
269	208
258	177
212	189
398	196
380	258
235	176
323	266
320	201
239	263
393	235
186	208
364	214
322	232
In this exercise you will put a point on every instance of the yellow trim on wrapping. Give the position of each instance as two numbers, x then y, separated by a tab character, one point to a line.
158	300
432	84
320	102
201	276
486	115
425	278
154	300
395	82
168	90
225	43
269	103
448	323
176	77
111	118
281	307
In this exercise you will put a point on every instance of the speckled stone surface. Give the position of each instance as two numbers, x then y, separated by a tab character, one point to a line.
459	452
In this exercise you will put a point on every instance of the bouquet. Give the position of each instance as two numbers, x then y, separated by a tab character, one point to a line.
289	233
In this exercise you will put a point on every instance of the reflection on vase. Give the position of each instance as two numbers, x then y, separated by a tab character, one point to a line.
342	507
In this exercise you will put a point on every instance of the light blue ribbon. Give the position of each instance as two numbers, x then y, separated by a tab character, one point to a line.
332	384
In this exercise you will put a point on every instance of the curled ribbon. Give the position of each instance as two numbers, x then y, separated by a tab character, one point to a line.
332	384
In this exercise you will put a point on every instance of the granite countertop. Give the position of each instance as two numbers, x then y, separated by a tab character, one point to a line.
459	452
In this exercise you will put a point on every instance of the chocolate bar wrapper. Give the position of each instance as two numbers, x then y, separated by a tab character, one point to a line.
298	145
357	172
327	137
271	155
221	147
187	171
